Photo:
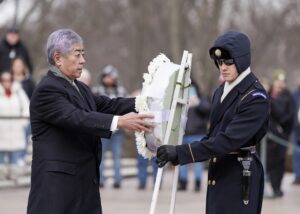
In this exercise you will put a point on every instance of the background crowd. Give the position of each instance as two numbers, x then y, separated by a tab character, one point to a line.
17	85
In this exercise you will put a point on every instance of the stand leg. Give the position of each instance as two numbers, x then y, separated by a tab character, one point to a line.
174	190
156	190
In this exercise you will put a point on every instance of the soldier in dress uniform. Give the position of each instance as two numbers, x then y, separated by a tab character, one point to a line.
239	120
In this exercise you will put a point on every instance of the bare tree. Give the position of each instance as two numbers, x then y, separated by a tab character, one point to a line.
210	14
130	33
176	30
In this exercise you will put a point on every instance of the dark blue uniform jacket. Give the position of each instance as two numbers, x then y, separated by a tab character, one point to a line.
241	120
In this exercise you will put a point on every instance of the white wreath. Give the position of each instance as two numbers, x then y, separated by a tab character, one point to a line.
147	143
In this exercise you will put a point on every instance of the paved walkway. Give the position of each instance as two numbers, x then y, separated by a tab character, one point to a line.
129	200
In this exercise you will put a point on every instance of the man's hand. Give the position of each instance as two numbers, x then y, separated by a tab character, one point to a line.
165	154
135	122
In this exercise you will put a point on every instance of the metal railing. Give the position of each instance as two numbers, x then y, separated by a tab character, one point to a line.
12	117
278	140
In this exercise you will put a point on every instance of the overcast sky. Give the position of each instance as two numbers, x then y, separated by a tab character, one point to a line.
7	10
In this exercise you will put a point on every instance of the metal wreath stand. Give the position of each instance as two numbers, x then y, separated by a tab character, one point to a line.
179	103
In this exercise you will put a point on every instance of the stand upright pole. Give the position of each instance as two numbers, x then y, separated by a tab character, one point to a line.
181	81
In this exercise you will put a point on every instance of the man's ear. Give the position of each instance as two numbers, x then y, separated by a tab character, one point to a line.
57	58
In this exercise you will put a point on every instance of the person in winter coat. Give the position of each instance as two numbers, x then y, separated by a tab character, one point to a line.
21	74
282	118
14	113
238	121
110	86
296	136
10	48
196	128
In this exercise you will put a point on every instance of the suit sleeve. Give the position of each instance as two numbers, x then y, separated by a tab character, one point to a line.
116	106
50	105
251	116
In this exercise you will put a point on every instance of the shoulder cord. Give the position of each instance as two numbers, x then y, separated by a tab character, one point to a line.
249	92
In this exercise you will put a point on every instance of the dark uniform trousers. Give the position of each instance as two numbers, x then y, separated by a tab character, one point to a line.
241	120
66	127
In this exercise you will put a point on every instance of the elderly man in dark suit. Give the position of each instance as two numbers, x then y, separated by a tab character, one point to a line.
238	121
67	120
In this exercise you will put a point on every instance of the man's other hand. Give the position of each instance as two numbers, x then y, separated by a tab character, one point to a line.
136	122
165	154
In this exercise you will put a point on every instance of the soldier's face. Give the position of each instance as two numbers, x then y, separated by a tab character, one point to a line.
228	72
72	63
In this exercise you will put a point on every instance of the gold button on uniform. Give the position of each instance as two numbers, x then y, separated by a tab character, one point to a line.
209	182
213	182
214	160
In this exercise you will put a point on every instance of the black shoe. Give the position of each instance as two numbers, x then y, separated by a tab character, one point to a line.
142	186
182	185
278	193
197	186
117	185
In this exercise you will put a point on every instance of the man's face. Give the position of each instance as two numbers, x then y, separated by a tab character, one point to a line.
72	63
12	38
228	72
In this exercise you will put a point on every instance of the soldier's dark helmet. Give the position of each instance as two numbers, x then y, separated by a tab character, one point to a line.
232	45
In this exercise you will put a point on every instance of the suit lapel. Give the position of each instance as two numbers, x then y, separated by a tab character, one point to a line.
72	91
216	104
83	91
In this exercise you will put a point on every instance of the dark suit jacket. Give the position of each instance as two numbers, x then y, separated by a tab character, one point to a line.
66	128
241	120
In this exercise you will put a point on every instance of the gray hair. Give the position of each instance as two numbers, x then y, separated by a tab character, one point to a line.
61	41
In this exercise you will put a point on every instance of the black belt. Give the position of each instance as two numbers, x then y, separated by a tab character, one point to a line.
244	151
